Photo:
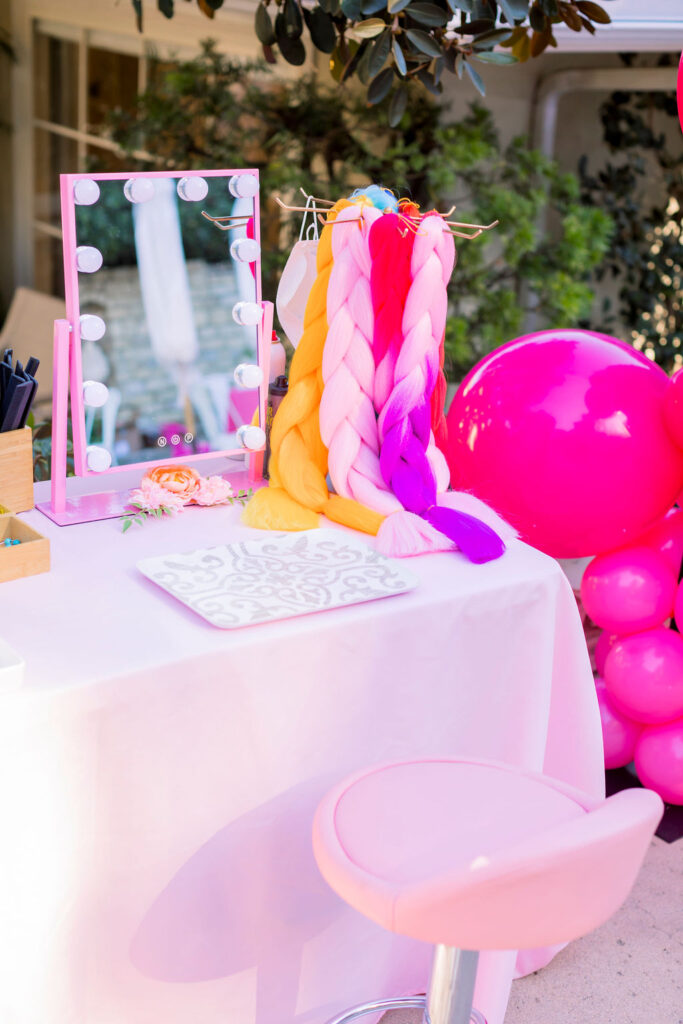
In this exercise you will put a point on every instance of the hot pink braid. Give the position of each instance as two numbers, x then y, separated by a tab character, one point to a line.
348	426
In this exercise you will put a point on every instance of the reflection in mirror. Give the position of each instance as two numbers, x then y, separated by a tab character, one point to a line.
169	315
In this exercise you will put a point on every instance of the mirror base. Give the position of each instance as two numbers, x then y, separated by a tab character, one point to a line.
90	508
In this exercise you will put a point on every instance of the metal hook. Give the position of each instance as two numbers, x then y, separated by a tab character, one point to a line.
242	221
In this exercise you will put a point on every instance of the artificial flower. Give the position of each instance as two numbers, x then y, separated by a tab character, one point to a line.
179	480
212	490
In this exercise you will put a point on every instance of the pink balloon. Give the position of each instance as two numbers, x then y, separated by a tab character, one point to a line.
602	648
563	433
659	760
644	675
673	408
666	537
678	607
619	734
629	590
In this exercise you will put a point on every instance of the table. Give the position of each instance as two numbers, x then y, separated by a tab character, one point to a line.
159	776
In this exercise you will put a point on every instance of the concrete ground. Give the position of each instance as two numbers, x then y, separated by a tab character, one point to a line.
629	971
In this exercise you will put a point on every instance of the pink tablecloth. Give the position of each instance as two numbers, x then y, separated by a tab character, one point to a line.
159	776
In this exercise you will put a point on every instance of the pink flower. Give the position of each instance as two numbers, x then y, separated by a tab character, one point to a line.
212	490
151	495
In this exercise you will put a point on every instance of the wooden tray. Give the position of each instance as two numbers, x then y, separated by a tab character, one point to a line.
30	557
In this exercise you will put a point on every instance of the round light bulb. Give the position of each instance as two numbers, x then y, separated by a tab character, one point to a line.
88	259
243	186
86	192
248	376
95	393
193	189
250	437
247	314
97	459
92	327
138	190
246	250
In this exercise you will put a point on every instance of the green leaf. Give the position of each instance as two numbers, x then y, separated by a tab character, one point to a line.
397	107
461	5
370	28
351	9
380	51
215	5
514	10
495	58
322	30
137	7
427	14
423	42
373	6
166	7
488	39
477	80
395	6
127	523
294	23
476	28
399	58
380	86
263	26
427	80
537	18
459	65
360	63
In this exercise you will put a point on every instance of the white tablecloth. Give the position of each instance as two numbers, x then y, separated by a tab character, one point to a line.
159	776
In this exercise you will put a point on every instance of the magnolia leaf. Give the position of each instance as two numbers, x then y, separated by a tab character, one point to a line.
495	58
357	55
466	6
380	86
205	8
429	82
537	18
370	28
351	9
215	5
477	80
594	11
589	26
373	6
399	58
395	6
427	14
380	51
514	10
499	36
539	41
292	50
397	107
294	23
475	28
166	7
269	54
423	42
263	26
322	30
522	49
459	65
571	17
137	7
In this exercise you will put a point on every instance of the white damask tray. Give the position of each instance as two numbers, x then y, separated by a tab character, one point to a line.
277	576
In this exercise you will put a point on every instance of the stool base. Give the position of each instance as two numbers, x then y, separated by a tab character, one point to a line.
449	997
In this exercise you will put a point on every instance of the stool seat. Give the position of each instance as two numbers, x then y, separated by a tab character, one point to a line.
479	855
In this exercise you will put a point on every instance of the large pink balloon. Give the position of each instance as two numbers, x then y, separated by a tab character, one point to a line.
629	590
644	675
563	433
659	760
619	734
678	607
666	537
604	645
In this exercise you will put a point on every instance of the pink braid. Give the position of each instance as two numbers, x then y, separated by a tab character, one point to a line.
348	426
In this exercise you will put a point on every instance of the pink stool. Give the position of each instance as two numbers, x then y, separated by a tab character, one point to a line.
474	855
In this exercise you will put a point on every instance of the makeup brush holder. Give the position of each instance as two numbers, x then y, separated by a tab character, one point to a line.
16	470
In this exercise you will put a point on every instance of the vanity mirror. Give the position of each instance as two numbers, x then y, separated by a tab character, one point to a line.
164	353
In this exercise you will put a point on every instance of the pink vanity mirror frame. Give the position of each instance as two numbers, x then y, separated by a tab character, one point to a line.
66	510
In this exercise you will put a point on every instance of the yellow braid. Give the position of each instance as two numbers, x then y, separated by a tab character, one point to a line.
298	458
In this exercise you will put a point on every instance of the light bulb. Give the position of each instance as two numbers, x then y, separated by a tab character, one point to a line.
92	327
250	437
86	192
138	190
95	394
193	189
88	259
243	186
248	376
248	314
97	459
246	250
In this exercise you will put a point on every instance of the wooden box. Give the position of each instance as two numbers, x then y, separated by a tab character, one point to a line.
26	559
16	470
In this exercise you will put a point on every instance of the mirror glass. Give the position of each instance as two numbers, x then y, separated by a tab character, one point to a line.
165	303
